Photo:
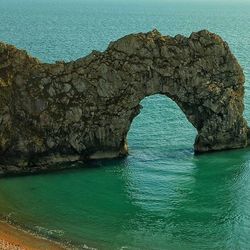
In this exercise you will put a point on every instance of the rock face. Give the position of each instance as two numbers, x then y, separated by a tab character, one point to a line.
83	109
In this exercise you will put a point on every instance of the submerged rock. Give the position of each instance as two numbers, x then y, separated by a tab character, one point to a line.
83	109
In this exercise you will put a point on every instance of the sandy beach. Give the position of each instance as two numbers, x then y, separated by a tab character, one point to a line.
12	238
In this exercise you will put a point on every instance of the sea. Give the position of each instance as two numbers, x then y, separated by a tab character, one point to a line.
162	196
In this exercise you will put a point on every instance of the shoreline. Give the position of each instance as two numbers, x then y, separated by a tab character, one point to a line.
13	238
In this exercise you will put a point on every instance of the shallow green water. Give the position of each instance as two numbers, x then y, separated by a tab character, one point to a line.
161	196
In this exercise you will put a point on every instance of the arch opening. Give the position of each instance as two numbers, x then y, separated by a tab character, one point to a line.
159	127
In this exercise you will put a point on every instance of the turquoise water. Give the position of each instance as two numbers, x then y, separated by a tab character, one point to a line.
161	196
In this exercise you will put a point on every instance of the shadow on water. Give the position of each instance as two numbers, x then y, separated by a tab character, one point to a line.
208	206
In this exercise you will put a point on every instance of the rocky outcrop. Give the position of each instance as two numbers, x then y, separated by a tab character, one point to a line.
83	109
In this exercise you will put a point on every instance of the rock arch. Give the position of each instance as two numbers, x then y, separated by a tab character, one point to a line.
83	109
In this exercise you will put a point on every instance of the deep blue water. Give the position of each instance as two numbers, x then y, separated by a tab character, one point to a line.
161	196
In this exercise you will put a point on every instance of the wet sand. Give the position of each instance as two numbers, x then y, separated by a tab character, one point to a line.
12	238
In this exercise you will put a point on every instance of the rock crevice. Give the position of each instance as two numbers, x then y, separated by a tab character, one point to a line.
83	109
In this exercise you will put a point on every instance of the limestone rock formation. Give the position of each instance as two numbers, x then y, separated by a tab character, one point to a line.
83	109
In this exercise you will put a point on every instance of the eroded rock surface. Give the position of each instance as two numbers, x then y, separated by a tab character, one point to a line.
83	109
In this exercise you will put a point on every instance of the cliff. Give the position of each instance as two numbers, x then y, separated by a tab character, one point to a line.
83	109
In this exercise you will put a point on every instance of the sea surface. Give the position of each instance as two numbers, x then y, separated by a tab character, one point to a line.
161	196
